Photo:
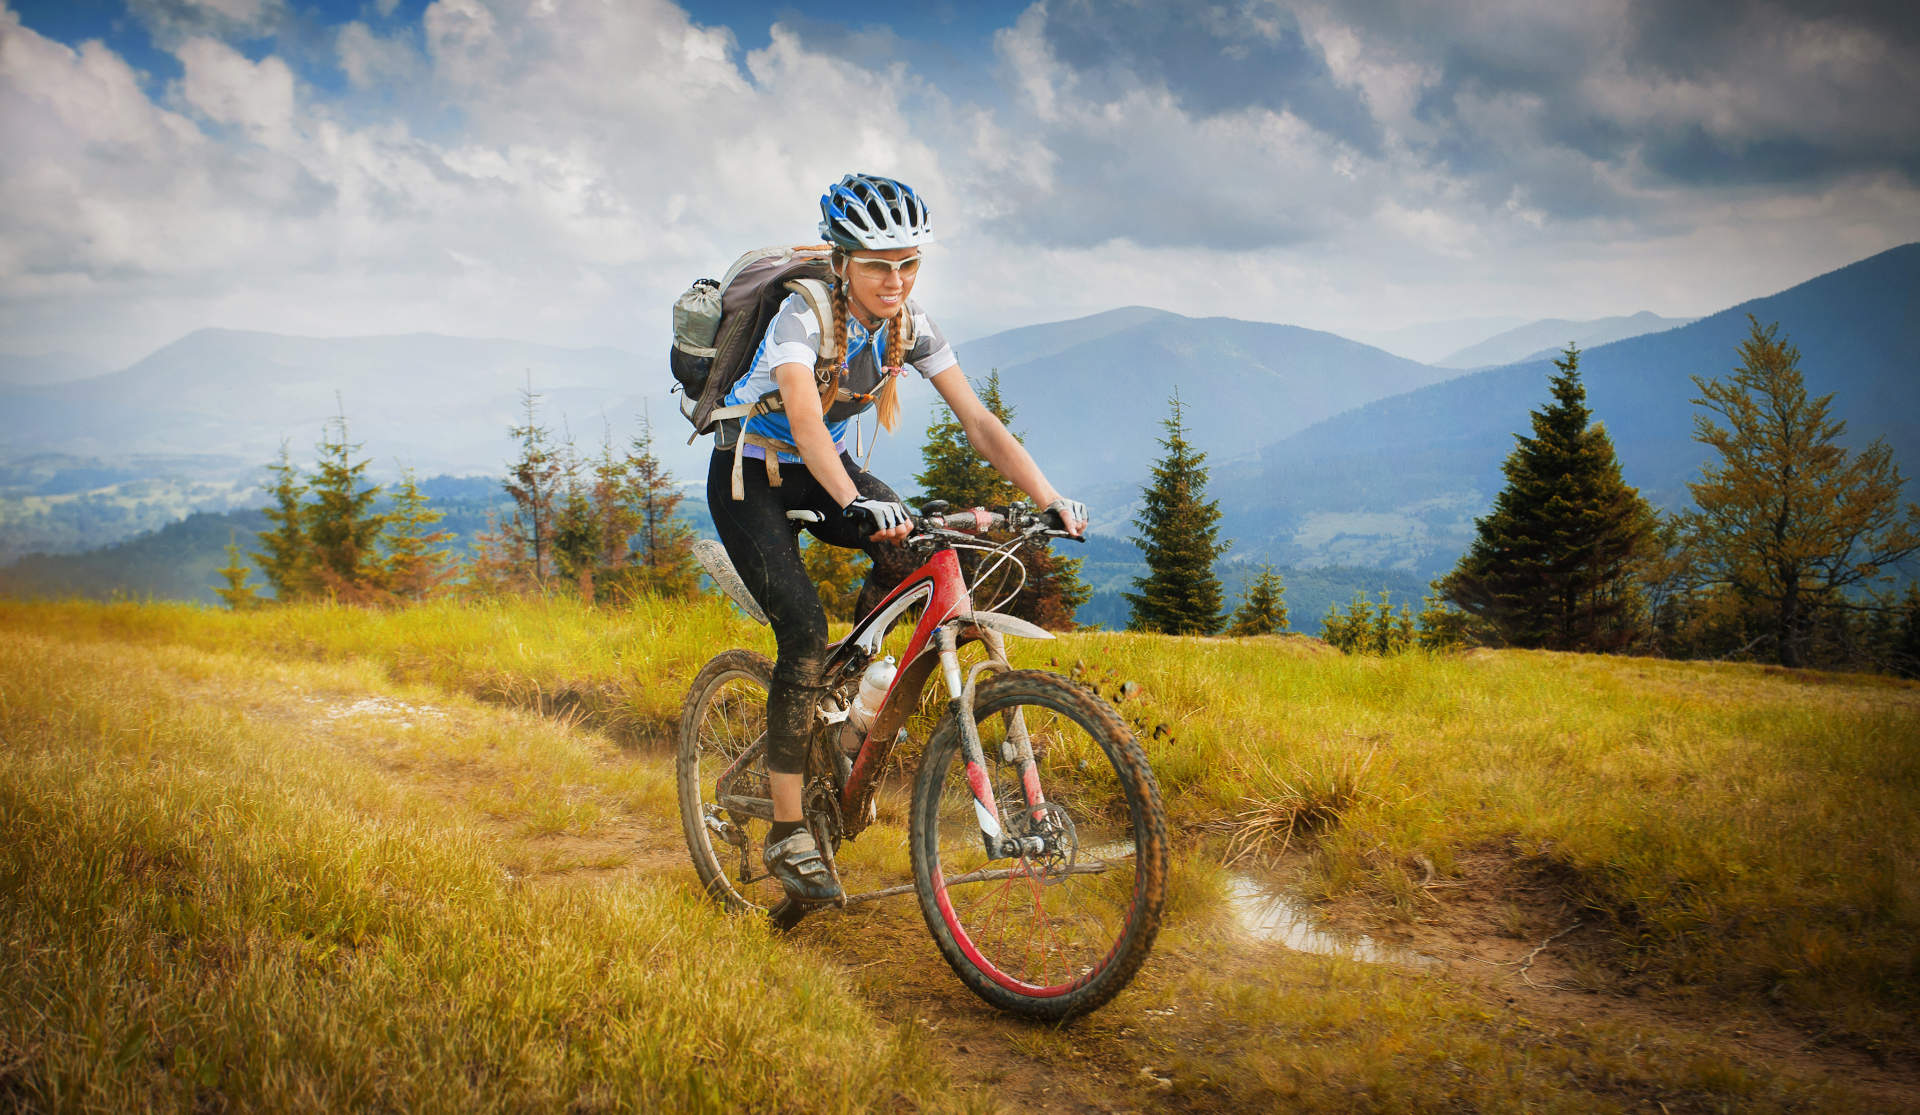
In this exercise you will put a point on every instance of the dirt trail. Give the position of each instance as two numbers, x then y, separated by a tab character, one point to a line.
1147	1051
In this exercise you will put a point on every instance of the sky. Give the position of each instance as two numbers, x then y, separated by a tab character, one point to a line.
558	170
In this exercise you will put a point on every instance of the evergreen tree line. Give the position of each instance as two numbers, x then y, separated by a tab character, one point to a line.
602	528
1790	552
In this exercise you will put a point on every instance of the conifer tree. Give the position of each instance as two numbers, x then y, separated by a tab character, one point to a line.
837	573
417	563
237	593
341	525
1181	594
1788	522
662	540
285	557
516	553
1367	628
952	470
1053	591
1557	562
1263	607
1349	631
1440	625
576	536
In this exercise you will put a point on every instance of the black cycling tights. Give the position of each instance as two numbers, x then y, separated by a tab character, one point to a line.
765	549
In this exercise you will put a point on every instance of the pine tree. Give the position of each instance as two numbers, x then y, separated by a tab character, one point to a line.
1557	562
285	557
1349	631
1440	625
1367	628
1263	607
1053	591
237	593
515	553
953	471
1392	631
837	573
342	527
1788	522
1181	594
663	542
417	563
576	535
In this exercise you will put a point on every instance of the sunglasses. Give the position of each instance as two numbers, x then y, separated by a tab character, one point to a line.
881	268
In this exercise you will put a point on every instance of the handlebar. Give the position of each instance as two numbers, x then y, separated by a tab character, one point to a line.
1018	518
932	526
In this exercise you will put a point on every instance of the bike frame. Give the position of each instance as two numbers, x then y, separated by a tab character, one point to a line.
947	621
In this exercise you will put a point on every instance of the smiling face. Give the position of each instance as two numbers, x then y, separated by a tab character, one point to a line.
875	288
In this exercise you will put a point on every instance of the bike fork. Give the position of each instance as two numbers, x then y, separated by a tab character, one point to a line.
993	838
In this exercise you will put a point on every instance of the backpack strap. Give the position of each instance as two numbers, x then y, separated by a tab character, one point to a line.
819	299
772	447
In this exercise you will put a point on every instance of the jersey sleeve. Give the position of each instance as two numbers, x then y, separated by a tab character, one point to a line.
793	337
931	353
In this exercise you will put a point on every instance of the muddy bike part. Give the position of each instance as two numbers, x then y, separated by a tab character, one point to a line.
726	802
1060	928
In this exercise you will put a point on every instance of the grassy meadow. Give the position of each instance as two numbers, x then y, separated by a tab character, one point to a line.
326	858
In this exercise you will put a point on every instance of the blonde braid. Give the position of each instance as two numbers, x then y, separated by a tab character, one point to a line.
887	407
827	372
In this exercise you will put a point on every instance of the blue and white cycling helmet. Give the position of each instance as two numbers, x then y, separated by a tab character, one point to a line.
866	211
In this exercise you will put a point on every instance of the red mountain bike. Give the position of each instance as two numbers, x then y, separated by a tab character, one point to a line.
1038	842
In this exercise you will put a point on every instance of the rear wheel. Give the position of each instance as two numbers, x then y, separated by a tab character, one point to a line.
1059	931
725	802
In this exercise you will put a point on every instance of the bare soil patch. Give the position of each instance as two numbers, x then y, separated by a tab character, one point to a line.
1507	930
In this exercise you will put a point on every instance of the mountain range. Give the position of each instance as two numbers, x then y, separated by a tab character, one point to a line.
1324	450
1542	340
1401	479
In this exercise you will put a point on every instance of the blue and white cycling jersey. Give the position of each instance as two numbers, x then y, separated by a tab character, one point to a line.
793	337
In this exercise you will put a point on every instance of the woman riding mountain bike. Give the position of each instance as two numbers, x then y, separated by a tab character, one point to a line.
876	227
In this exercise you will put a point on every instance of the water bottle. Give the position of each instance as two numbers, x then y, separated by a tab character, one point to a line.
873	690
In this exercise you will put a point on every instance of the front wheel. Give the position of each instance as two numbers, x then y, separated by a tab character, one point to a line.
1058	931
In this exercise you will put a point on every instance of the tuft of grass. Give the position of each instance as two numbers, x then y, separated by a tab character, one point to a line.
1306	804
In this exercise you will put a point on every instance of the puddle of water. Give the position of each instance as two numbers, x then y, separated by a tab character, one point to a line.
1273	916
1269	916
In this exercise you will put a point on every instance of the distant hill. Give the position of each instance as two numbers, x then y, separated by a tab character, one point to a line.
1090	394
1428	341
1323	450
440	404
1401	480
1543	340
177	561
47	367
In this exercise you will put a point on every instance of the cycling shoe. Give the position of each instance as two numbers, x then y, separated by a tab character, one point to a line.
796	862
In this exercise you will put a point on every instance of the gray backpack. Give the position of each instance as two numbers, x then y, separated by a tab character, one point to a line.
717	326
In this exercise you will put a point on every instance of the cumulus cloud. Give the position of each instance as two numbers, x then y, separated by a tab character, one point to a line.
556	169
369	60
173	21
601	153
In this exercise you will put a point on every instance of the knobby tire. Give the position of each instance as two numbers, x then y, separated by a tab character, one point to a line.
1044	941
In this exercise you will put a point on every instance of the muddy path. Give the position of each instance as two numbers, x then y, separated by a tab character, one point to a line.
1196	1031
